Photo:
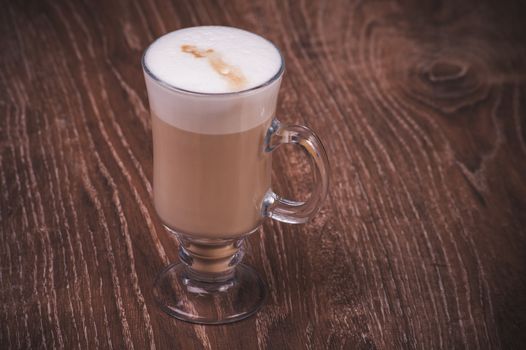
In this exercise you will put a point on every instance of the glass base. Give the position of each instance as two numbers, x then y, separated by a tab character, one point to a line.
237	296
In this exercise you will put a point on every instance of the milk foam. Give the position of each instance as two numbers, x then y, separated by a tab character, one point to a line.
250	59
170	60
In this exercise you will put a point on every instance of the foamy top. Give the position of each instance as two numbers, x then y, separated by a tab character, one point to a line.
213	59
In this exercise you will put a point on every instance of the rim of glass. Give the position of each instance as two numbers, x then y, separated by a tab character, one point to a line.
174	88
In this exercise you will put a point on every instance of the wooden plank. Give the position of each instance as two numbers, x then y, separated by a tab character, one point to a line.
421	243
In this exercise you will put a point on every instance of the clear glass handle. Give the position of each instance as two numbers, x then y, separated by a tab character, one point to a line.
286	210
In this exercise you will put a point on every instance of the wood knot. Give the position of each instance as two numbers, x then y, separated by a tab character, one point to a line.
441	71
448	82
446	79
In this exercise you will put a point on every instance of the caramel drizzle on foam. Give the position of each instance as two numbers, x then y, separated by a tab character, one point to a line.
234	76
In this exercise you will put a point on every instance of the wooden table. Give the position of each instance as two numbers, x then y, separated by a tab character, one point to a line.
421	242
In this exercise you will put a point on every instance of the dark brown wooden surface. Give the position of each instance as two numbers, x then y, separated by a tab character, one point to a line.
420	244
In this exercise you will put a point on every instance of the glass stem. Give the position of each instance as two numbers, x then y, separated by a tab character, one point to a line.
210	260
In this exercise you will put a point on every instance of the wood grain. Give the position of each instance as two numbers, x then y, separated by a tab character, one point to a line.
420	245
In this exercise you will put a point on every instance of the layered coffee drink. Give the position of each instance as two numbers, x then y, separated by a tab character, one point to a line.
212	93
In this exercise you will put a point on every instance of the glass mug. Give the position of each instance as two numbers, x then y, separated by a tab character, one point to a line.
212	188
